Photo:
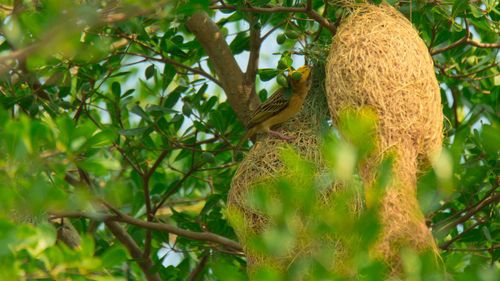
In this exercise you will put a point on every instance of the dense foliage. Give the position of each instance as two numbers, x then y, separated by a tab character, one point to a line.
110	111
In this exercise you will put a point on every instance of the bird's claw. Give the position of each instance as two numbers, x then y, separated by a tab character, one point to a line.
281	136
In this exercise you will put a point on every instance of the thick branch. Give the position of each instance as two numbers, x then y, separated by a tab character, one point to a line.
255	43
240	95
134	250
200	236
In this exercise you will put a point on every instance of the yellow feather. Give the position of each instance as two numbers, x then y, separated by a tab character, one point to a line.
276	109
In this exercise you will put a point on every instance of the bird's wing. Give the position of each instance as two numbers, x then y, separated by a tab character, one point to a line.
272	106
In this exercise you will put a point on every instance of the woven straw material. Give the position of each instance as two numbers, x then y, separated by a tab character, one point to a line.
377	60
263	165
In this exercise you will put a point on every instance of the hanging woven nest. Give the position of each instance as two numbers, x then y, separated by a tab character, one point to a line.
378	60
263	165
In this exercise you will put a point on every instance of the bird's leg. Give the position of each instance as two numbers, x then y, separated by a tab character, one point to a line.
280	135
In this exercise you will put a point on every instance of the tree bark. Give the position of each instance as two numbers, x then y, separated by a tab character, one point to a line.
239	89
133	249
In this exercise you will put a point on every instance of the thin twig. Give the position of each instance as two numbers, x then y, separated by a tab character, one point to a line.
445	245
465	40
306	10
174	189
199	268
134	250
494	198
475	249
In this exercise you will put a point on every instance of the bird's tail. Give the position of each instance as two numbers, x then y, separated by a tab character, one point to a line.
237	148
248	134
243	139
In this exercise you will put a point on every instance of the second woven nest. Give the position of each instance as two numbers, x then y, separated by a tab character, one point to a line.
377	60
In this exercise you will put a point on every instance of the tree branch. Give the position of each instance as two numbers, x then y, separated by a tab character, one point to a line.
144	263
494	198
469	206
465	40
199	268
274	29
174	189
167	60
445	245
307	10
240	94
146	177
494	247
253	58
163	227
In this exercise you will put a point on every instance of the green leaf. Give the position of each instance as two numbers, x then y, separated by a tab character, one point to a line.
486	233
490	4
173	97
239	156
8	102
150	71
7	236
153	108
208	106
127	93
267	74
282	81
211	201
116	90
263	94
187	109
292	34
4	116
296	76
46	237
458	7
168	75
287	93
208	157
202	90
240	43
177	118
101	139
475	11
259	2
114	256
136	109
132	132
217	120
280	39
228	271
200	126
285	62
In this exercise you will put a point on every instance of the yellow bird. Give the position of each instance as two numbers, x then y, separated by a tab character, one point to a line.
277	109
